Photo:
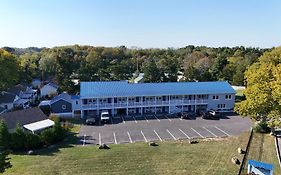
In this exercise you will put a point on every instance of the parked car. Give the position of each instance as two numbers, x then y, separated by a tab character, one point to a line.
210	115
184	115
104	117
91	121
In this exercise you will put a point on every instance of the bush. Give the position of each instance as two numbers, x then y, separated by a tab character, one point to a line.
261	127
47	136
18	138
5	136
32	141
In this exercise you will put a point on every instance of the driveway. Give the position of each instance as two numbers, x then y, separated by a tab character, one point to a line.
145	128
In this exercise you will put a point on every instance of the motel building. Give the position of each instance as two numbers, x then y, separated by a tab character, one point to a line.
121	97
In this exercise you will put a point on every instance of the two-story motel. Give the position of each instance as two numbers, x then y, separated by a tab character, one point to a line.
121	97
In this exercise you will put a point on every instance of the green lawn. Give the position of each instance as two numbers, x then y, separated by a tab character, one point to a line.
206	157
262	148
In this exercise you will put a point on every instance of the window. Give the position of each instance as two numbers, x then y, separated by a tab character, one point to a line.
63	107
221	106
215	97
6	106
227	97
77	102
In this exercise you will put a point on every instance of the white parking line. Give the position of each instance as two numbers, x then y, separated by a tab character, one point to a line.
123	119
157	118
115	140
210	132
146	119
171	134
197	133
143	136
168	118
99	139
222	131
158	135
184	133
135	120
84	140
129	137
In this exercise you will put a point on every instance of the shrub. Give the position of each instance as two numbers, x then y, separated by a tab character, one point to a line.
261	127
5	136
18	138
47	136
32	141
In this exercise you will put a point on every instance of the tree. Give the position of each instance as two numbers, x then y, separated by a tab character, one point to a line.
47	136
151	72
263	92
58	130
9	70
4	161
32	141
18	138
4	135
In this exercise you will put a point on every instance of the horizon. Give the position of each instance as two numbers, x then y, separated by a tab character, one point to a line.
145	24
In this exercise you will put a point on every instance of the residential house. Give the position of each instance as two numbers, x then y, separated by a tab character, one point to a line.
26	117
7	100
2	110
60	105
49	89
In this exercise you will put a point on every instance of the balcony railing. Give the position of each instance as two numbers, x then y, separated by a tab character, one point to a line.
144	104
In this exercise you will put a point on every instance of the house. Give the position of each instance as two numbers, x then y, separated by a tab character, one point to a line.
260	168
7	100
26	95
2	110
49	89
36	83
23	117
18	89
60	105
121	97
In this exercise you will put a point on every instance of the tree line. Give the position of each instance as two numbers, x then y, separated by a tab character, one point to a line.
88	63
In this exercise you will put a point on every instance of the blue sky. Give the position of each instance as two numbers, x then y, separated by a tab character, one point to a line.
140	23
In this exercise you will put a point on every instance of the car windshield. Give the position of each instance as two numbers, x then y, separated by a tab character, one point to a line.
105	115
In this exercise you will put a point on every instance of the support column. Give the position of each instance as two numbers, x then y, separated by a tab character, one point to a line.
98	102
112	103
154	104
127	112
182	103
169	98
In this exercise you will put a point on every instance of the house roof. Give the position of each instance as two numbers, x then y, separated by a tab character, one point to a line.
39	125
21	101
63	96
2	109
23	117
6	97
45	103
17	89
263	165
53	85
123	88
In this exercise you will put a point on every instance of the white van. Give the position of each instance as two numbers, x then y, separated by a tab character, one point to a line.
104	117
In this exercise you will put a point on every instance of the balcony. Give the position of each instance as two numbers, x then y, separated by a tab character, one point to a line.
143	104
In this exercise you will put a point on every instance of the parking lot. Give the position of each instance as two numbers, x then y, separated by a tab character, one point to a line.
145	128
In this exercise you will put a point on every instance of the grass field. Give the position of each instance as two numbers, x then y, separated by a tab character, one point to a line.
262	148
206	157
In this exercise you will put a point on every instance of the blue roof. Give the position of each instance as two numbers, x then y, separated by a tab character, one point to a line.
257	164
75	97
123	88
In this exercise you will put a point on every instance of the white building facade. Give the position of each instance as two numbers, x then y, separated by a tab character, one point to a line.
121	97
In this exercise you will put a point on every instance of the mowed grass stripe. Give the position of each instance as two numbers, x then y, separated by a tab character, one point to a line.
170	157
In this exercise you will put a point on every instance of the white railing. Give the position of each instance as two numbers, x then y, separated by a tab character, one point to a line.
144	104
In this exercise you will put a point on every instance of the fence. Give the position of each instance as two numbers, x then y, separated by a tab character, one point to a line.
246	152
